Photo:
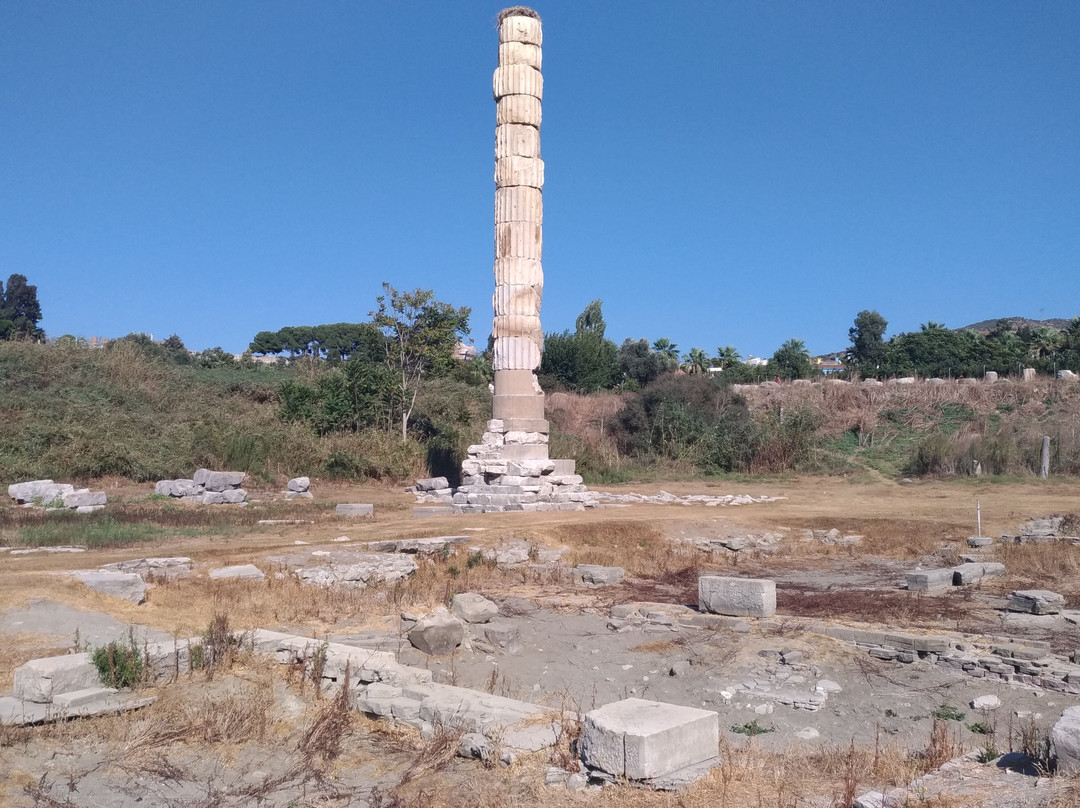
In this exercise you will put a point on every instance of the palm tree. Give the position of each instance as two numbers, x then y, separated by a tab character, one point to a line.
666	348
727	356
696	361
1044	342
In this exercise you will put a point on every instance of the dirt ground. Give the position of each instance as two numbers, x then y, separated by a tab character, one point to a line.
869	734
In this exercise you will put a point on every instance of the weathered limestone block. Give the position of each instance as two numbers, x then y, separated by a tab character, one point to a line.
39	680
299	495
520	28
518	271
218	480
84	499
244	571
82	698
516	140
964	574
517	352
519	240
641	740
432	483
437	634
45	491
519	203
1036	601
523	109
126	585
517	80
1065	741
234	496
474	608
597	575
738	597
213	498
929	580
354	509
299	484
519	171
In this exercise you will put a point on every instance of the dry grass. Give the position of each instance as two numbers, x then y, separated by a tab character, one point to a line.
1043	565
875	606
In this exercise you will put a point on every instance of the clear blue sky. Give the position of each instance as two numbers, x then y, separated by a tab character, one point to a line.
717	173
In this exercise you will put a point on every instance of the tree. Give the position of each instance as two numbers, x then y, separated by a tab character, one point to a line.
669	350
20	310
584	360
420	333
727	356
173	343
867	351
1044	341
696	361
266	342
792	360
639	363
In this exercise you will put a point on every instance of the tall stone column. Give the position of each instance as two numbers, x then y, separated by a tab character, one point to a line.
509	470
518	403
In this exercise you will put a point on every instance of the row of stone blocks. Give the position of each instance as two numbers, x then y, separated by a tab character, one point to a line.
206	487
48	494
938	580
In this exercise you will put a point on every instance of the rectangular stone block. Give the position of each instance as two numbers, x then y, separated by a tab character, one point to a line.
739	597
929	580
82	698
641	740
434	510
354	509
40	680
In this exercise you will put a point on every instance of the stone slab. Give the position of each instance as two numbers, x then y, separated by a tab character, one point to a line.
354	509
929	580
640	739
125	585
243	571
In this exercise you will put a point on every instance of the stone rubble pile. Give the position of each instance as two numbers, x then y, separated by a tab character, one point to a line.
767	542
154	569
1043	529
492	485
206	488
47	494
831	537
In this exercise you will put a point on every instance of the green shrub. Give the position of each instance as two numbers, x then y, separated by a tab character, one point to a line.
118	664
751	728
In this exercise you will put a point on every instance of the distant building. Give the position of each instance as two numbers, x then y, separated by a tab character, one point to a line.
755	361
828	364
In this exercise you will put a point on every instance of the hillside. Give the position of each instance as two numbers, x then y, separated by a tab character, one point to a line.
1016	323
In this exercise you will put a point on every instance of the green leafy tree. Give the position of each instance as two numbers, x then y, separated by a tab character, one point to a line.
639	362
266	342
420	334
867	352
20	310
792	360
585	360
1044	341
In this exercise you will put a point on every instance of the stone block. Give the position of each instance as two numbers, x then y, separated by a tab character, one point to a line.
1065	741
432	484
1036	601
234	496
82	698
437	634
243	571
299	495
354	509
473	608
640	739
39	680
126	585
44	491
299	484
597	575
739	597
564	468
972	571
434	510
84	499
929	580
218	480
